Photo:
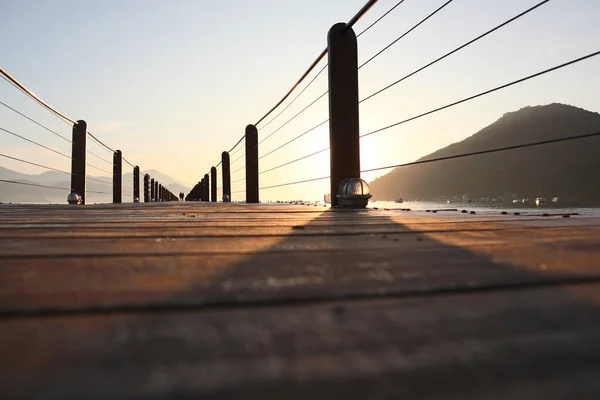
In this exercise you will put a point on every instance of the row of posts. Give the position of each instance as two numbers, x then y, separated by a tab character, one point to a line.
343	138
153	191
343	127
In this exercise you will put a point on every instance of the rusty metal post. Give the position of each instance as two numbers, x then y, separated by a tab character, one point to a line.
136	184
146	188
206	196
156	191
226	172
213	184
343	107
117	177
78	163
251	164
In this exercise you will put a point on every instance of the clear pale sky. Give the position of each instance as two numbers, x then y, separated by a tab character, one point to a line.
174	83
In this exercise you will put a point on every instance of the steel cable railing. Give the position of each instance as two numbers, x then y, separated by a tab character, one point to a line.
285	107
457	49
89	178
237	159
35	122
35	143
231	154
34	164
32	95
294	139
294	161
380	52
378	20
294	117
69	121
33	184
294	183
100	143
484	93
487	151
99	169
235	149
296	98
238	170
100	158
310	105
306	73
321	56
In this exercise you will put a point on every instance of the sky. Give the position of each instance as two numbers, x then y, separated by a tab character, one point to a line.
173	84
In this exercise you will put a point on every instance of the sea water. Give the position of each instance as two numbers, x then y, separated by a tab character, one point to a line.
490	208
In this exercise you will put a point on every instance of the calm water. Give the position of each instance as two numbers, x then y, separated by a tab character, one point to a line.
490	208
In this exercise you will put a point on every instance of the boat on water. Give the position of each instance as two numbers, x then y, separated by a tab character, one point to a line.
399	200
515	201
539	200
555	199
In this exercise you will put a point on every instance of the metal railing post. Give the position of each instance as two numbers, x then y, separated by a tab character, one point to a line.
205	196
117	177
226	171
146	188
155	190
343	106
136	184
213	184
251	164
78	153
152	194
197	191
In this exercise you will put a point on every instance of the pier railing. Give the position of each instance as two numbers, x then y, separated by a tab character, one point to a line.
103	159
242	166
239	172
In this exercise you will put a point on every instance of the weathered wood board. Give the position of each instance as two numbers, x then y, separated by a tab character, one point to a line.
293	301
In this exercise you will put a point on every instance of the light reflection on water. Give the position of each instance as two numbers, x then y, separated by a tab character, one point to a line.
488	207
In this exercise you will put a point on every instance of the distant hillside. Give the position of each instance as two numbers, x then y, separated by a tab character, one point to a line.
570	170
10	192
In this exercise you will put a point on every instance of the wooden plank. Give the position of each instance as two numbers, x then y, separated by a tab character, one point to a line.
285	301
519	344
170	280
123	265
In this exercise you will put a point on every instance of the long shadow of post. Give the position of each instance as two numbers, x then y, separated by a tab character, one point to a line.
349	305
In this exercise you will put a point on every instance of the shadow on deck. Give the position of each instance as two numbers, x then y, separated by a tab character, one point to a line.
300	303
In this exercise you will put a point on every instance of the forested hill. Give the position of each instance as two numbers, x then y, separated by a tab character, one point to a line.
570	170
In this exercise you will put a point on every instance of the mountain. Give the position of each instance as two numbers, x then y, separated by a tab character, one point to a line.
21	193
97	192
176	188
570	170
164	179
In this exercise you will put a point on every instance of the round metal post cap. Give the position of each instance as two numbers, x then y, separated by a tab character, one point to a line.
74	198
353	192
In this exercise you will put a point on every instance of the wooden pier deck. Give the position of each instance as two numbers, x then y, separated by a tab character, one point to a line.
200	300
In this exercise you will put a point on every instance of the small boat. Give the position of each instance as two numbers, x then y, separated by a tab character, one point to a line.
515	201
398	200
555	199
539	200
524	200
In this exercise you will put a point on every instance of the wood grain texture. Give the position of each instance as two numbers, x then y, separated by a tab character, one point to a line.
295	301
